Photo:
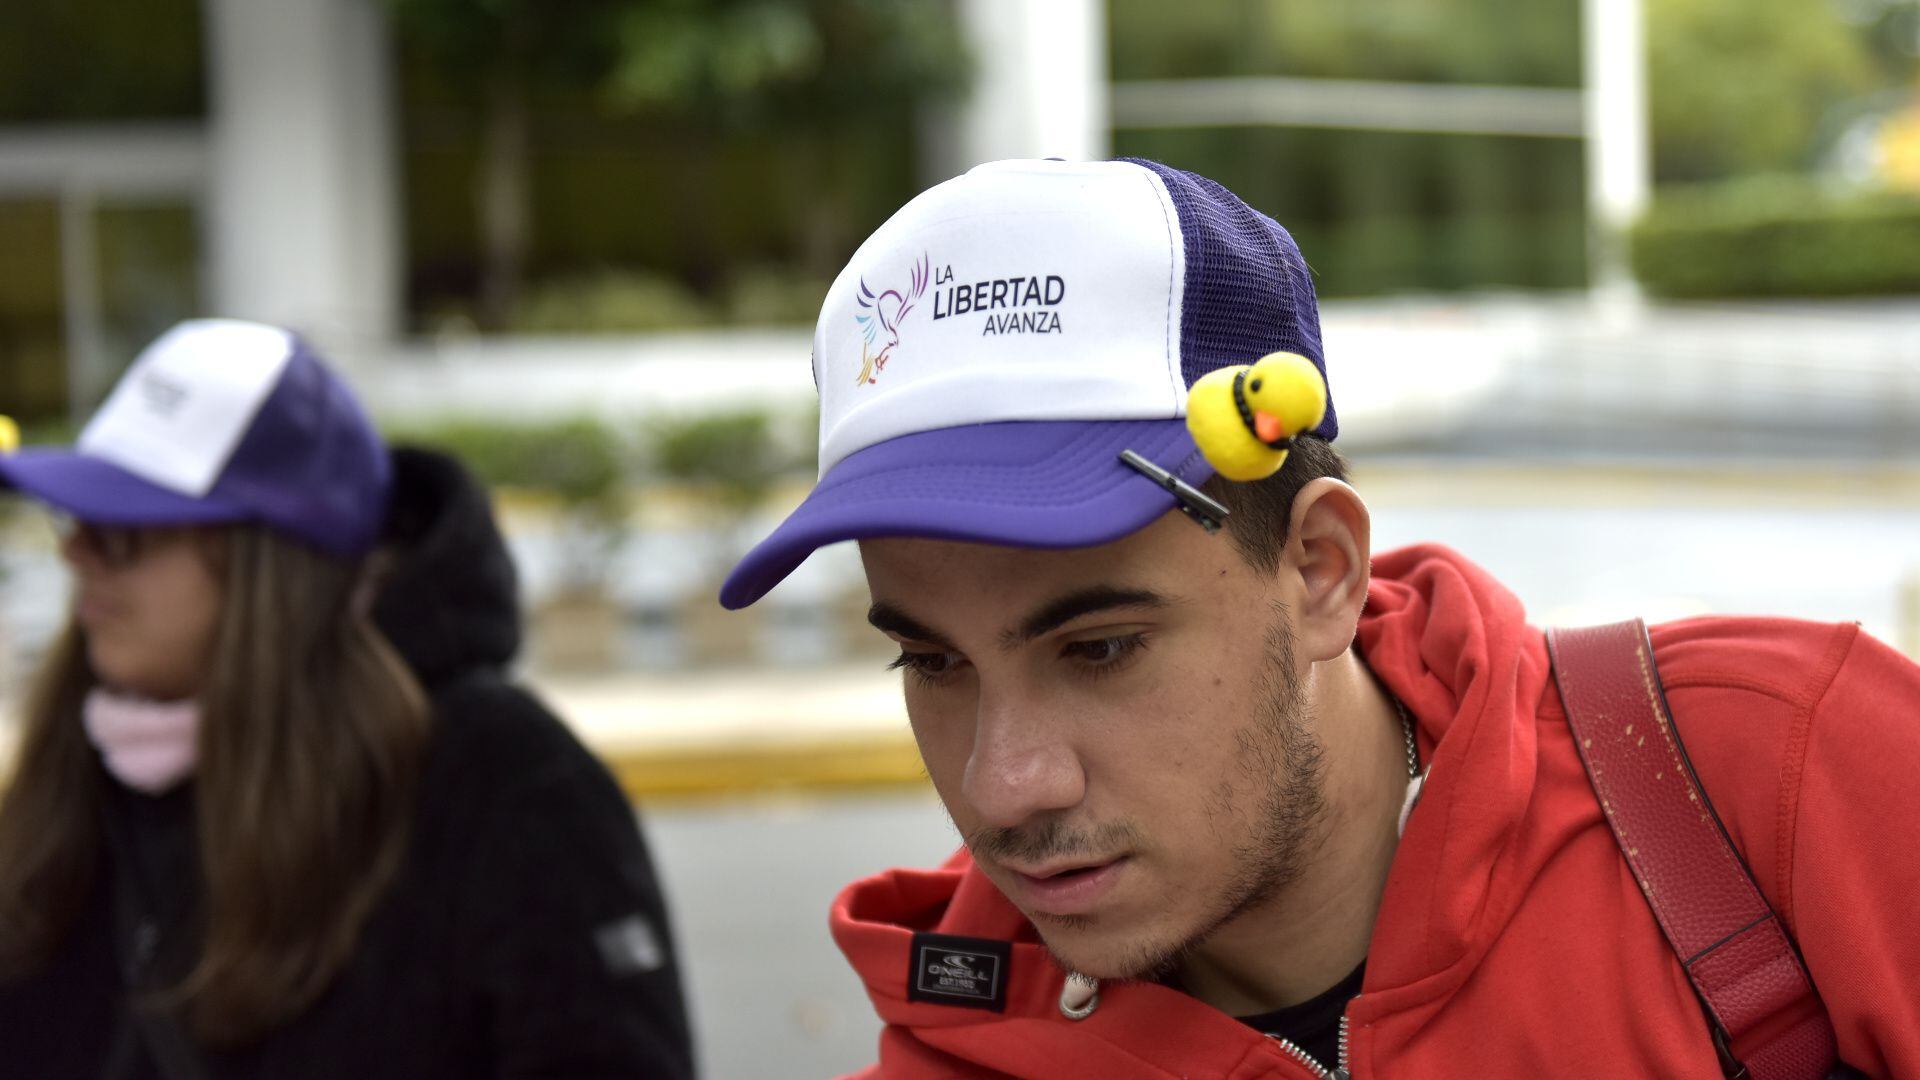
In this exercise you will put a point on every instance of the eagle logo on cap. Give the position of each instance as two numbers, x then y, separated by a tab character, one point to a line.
880	317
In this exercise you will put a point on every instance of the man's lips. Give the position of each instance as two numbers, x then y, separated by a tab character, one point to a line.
1066	888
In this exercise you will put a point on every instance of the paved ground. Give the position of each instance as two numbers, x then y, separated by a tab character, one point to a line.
750	882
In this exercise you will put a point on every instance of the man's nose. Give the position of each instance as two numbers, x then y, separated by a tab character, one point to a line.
1024	762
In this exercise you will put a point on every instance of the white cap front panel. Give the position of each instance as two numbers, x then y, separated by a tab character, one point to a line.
181	409
1024	290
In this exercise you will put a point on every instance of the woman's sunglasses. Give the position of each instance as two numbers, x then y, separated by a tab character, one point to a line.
116	546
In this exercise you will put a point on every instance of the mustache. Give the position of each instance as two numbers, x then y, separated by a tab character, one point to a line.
1052	839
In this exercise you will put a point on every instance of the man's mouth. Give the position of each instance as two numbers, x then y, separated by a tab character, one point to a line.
1068	887
1049	871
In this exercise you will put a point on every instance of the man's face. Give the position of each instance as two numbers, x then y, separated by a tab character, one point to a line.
1118	732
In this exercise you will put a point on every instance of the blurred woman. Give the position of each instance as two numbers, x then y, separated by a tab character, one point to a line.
275	810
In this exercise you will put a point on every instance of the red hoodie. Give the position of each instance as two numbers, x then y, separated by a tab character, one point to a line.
1512	941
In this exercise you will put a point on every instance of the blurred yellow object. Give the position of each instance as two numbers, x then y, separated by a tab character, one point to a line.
1899	144
9	435
1244	418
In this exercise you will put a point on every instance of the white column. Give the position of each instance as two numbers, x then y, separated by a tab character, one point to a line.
1039	84
302	219
88	367
1619	160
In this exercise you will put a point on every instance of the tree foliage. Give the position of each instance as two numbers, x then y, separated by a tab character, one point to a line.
1742	86
786	62
725	61
474	43
1475	41
704	69
80	60
1735	85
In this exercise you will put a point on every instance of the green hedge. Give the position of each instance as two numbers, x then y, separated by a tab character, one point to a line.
590	464
1778	237
612	301
580	461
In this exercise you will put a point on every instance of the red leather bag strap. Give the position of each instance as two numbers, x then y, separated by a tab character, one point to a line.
1746	969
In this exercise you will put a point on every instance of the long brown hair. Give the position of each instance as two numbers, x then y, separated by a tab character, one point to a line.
312	735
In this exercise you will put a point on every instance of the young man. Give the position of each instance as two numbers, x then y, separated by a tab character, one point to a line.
1258	802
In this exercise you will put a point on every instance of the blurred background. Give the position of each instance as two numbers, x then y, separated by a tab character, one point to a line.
1622	299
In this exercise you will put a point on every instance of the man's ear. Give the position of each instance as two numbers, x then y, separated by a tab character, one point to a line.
1330	548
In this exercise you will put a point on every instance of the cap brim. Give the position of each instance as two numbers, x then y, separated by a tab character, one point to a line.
1023	484
101	492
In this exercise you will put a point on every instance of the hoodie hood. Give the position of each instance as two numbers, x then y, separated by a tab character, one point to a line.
880	924
450	602
1454	646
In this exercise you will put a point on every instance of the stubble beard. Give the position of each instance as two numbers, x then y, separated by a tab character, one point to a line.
1284	762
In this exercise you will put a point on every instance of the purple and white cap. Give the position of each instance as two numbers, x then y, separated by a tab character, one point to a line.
220	421
993	348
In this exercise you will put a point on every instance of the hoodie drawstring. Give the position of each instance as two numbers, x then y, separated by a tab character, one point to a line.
1079	997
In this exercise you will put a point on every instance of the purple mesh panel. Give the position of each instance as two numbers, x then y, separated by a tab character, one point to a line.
1248	290
311	464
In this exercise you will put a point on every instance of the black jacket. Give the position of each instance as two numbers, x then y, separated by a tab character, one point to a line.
525	936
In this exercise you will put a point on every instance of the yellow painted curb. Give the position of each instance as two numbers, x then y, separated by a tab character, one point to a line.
742	768
739	768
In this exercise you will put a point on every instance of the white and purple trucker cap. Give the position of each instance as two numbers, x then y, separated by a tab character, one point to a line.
993	348
221	421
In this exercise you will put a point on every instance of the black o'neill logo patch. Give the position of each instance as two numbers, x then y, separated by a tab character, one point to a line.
966	971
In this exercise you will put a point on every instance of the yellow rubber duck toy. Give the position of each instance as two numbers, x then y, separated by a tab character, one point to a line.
9	435
1244	418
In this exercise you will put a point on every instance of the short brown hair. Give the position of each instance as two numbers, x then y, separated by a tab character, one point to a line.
1262	510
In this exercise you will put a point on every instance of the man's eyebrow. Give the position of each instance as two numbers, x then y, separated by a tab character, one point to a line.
1073	605
889	619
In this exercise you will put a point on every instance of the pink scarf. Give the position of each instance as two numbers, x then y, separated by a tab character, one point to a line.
149	745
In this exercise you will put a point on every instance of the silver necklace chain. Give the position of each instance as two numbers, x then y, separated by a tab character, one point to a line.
1406	727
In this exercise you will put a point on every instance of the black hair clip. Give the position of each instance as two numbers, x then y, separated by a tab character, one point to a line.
1193	502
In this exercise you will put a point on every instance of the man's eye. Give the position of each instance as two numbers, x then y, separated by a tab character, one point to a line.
1106	652
929	667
